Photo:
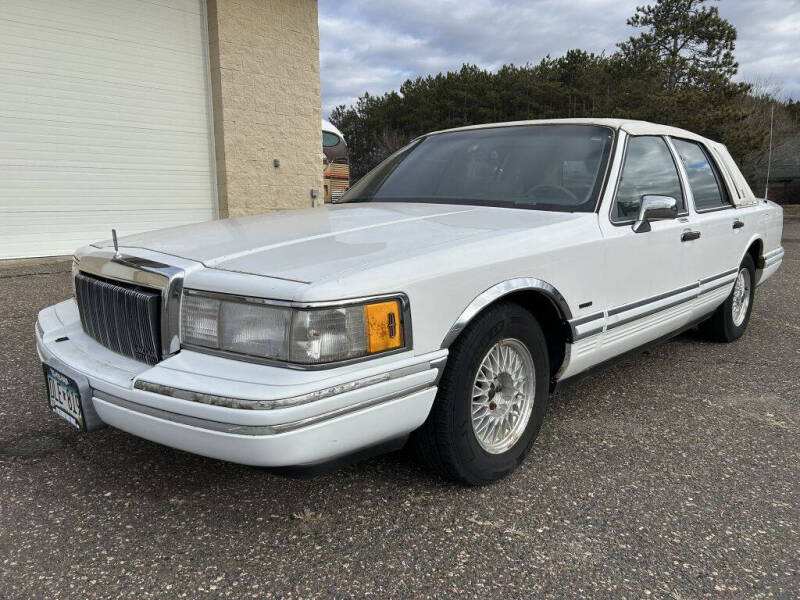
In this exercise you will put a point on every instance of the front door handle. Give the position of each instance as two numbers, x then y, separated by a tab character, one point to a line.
737	224
689	235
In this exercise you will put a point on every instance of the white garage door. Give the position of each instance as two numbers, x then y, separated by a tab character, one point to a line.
104	121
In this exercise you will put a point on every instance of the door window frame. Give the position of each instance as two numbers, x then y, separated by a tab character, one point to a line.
678	171
722	184
729	178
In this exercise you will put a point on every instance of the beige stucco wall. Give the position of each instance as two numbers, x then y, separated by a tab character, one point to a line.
264	62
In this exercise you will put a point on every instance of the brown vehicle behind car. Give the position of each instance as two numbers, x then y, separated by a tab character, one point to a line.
336	173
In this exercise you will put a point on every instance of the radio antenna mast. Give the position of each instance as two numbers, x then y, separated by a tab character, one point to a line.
769	157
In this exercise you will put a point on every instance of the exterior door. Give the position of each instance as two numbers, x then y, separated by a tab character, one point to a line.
716	253
649	286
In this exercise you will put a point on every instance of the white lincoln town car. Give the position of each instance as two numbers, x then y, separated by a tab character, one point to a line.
439	301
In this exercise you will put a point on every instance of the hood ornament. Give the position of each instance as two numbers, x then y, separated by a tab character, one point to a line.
116	243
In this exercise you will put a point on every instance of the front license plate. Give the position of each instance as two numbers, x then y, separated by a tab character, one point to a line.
64	397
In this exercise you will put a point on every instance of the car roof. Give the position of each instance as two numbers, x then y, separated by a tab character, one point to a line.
632	127
331	128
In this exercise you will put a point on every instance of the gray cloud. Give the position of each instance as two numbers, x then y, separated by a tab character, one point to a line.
373	46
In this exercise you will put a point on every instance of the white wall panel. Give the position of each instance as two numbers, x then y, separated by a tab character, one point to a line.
104	121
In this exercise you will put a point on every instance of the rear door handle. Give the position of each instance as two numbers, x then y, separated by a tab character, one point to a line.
737	224
689	235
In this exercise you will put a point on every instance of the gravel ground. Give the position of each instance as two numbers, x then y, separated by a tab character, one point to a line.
672	475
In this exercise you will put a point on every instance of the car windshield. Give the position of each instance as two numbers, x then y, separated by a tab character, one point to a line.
543	167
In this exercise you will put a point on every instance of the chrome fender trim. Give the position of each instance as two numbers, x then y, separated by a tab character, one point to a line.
503	289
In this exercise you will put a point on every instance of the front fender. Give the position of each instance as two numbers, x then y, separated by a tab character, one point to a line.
500	290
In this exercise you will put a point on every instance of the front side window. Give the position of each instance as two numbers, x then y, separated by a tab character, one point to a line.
329	140
704	180
541	167
648	170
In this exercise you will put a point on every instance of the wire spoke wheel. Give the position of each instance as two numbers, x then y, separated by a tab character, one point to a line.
741	297
503	393
491	398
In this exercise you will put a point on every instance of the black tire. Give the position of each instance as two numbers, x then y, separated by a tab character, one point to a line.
446	441
721	327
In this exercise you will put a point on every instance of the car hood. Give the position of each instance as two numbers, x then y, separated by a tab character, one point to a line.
325	242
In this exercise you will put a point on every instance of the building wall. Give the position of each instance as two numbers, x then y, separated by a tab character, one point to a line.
264	62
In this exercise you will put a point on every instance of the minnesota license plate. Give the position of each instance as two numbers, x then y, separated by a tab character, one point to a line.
64	397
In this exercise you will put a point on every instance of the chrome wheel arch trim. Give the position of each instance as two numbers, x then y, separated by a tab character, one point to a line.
501	290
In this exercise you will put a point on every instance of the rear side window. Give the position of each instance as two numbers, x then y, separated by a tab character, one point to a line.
649	169
704	179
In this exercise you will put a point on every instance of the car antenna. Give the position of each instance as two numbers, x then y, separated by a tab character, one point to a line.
769	158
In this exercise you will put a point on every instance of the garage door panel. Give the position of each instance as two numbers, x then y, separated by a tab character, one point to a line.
142	71
46	111
29	203
136	21
104	121
102	133
58	89
19	144
131	180
64	232
155	69
119	157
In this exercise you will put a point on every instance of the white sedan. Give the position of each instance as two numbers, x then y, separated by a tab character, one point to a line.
443	298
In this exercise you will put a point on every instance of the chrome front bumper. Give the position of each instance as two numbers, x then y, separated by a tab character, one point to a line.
244	412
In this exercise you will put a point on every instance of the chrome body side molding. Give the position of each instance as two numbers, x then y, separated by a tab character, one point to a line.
503	289
720	276
583	327
589	325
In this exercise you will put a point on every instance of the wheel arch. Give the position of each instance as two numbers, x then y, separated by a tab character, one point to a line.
541	298
755	249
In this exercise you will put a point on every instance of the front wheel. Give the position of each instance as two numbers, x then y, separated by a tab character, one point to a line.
729	321
492	398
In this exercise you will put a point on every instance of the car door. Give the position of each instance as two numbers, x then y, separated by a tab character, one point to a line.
715	254
648	287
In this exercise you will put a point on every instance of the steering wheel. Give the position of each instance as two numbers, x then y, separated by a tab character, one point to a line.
542	187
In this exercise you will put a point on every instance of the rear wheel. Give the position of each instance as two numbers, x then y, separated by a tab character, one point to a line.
730	320
492	398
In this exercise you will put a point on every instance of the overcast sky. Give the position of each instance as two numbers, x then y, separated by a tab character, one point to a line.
375	45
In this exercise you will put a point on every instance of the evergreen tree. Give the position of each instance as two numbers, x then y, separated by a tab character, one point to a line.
677	71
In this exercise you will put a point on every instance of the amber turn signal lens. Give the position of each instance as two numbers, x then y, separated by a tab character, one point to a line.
384	330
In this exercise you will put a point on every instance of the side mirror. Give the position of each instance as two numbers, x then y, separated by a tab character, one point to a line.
654	208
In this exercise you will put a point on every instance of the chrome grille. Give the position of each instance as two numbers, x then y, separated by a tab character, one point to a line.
123	318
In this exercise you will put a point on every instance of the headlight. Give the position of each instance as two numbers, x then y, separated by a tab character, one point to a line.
254	327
